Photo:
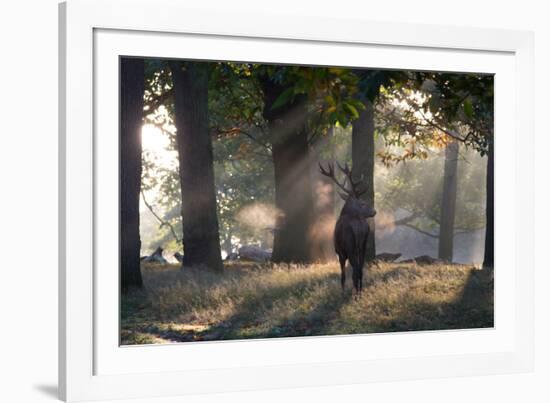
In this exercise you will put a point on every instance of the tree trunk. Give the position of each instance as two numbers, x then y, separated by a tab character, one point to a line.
293	199
322	230
199	211
448	203
362	156
290	151
132	84
488	259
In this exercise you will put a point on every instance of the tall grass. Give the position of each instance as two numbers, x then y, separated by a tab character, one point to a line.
260	301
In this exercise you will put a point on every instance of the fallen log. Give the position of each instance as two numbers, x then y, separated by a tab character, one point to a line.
254	253
423	259
387	257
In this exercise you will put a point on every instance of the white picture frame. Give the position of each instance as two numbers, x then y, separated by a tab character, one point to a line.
92	366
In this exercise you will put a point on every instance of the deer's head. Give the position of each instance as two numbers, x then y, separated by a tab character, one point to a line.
351	191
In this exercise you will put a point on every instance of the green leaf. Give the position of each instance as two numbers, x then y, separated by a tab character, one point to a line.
351	109
336	70
360	106
282	99
468	108
330	100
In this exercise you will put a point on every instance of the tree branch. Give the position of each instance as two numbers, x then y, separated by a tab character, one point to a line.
233	130
448	132
414	227
456	231
406	220
157	100
162	222
392	116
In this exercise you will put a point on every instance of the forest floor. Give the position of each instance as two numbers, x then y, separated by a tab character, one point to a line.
250	300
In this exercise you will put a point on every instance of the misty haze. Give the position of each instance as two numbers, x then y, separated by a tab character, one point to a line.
257	218
264	201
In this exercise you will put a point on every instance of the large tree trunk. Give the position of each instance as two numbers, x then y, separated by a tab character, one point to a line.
448	203
290	151
293	199
322	230
198	206
488	259
362	155
132	83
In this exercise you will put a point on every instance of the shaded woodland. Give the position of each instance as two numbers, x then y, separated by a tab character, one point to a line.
220	169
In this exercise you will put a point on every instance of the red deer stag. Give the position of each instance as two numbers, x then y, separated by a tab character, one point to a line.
352	229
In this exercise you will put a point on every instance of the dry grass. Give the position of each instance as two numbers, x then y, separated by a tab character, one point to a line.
260	301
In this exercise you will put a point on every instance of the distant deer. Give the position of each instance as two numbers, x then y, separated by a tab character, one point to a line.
352	229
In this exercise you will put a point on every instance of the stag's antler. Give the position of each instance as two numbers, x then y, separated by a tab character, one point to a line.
354	191
330	173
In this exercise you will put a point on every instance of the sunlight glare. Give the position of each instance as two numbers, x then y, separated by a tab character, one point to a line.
153	139
156	143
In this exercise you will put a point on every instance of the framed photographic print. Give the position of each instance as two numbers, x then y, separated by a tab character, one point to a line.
245	209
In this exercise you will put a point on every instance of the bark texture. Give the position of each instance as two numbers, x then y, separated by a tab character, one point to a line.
132	83
488	259
199	211
448	203
363	165
293	187
324	195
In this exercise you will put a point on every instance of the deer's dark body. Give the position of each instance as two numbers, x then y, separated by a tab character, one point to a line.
352	229
350	243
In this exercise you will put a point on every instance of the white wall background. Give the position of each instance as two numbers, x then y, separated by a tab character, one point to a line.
28	200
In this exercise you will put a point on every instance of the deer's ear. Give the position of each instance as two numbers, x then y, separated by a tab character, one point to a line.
343	196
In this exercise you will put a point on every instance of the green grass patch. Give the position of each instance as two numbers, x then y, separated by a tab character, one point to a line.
261	301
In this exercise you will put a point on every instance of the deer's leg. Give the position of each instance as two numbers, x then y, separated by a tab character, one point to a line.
343	271
356	281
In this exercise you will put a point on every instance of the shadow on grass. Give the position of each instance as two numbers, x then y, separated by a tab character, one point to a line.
472	309
313	307
476	303
315	322
253	316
